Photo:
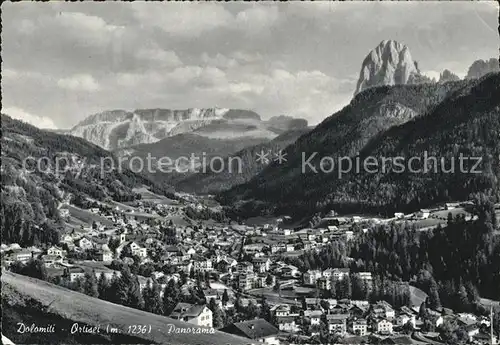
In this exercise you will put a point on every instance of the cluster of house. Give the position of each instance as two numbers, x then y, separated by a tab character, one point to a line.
326	279
215	249
343	317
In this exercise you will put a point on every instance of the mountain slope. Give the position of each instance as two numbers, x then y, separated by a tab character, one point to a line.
359	126
183	150
466	123
213	181
42	169
53	301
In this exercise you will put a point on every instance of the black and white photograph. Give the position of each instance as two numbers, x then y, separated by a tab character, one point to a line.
250	172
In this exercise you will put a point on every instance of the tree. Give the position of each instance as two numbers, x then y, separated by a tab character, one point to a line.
114	293
102	286
124	283
434	300
152	299
359	289
225	297
324	304
156	298
345	287
147	295
269	280
113	243
462	299
17	267
126	252
36	268
252	311
238	304
276	286
78	284
90	284
217	320
472	292
171	297
422	312
265	310
408	328
134	298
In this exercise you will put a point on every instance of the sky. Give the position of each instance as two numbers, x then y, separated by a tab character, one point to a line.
65	61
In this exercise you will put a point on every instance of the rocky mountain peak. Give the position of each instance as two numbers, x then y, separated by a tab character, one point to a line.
390	63
447	76
480	68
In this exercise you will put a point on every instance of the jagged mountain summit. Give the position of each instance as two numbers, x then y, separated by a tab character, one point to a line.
390	63
480	68
447	76
120	129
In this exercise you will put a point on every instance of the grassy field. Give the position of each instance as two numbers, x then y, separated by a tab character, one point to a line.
417	296
87	216
70	305
121	206
272	297
489	302
150	196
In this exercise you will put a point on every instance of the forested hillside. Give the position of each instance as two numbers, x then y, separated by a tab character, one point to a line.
442	120
213	181
455	265
186	145
34	184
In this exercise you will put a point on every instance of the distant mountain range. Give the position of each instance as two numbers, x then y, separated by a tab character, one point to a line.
117	129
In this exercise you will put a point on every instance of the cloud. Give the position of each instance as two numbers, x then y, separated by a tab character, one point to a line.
219	60
87	29
158	56
311	94
79	82
256	19
182	19
193	19
38	121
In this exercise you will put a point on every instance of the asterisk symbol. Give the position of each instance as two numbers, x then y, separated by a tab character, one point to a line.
280	157
263	157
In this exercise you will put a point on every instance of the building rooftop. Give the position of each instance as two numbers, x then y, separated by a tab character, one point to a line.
253	329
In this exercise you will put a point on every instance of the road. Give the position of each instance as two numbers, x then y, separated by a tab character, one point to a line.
419	337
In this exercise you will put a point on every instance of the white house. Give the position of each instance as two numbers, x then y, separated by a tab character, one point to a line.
55	251
198	315
360	327
383	326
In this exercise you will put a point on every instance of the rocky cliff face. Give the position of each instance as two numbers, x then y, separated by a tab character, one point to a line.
447	76
480	68
118	128
390	63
